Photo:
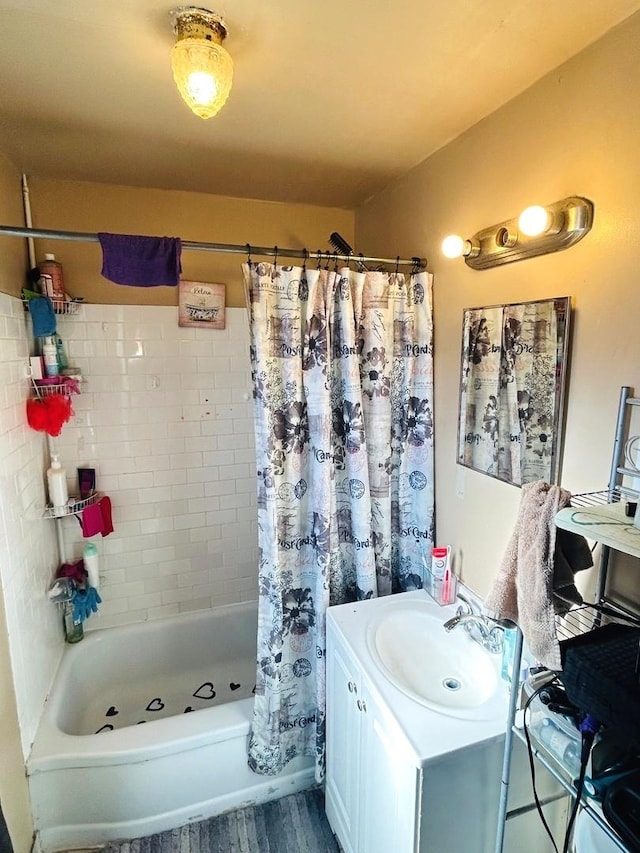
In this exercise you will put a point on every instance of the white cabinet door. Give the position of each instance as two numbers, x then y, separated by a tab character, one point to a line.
391	784
343	743
372	785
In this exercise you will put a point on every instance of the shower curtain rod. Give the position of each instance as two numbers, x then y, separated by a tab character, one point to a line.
229	248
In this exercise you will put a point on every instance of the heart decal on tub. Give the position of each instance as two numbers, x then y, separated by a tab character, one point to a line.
112	711
155	705
205	691
234	686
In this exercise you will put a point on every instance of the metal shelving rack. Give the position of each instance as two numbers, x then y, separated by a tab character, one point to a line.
599	516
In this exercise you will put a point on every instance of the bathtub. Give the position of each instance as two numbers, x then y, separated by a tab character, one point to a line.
146	729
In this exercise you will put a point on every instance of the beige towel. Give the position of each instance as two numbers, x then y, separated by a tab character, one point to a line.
527	589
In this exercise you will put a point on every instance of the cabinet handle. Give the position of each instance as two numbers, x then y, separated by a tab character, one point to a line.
352	687
362	705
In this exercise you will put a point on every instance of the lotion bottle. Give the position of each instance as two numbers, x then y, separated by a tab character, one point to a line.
57	483
90	560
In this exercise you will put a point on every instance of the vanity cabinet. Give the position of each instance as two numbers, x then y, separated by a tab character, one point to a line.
401	776
372	787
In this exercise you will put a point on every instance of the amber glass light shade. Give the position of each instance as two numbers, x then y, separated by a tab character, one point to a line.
202	68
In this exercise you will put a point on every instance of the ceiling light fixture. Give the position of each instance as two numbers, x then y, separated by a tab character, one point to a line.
202	68
537	231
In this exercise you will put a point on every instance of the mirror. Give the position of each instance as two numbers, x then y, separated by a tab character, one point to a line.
511	389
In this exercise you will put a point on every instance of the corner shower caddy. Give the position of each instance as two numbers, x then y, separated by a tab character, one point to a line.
600	516
42	389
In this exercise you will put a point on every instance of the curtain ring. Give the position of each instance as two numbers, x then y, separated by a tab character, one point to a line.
275	257
326	263
248	248
335	262
397	263
319	257
304	263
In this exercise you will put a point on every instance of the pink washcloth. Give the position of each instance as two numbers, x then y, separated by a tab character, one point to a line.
96	518
530	588
105	510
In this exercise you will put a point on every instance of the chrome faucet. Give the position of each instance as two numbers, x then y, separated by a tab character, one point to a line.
479	628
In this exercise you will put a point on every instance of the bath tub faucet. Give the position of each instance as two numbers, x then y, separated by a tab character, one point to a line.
479	627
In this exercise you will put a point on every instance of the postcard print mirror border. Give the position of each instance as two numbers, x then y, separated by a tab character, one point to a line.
512	382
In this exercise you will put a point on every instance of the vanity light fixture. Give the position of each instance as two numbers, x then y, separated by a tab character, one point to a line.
538	231
202	68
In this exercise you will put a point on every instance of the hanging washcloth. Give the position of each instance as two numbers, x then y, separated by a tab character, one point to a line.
42	316
141	261
96	518
535	579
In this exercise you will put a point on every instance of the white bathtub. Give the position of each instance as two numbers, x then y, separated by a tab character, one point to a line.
146	729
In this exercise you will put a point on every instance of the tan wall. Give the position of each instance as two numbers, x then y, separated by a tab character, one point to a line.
92	207
577	131
14	796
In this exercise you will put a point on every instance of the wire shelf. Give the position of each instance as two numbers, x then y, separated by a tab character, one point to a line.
60	306
73	507
46	389
581	620
605	496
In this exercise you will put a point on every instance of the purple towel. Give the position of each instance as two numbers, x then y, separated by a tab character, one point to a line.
141	261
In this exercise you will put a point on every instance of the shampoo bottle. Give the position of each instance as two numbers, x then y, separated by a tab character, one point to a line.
61	356
90	560
57	483
50	355
51	267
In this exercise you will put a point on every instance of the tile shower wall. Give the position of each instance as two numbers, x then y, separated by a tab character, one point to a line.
166	418
28	550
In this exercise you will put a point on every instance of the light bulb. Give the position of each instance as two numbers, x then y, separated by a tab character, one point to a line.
534	220
202	88
453	246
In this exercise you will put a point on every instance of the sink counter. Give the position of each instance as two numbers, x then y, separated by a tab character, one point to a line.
430	733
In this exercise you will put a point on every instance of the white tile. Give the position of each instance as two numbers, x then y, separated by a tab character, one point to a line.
190	521
192	490
159	555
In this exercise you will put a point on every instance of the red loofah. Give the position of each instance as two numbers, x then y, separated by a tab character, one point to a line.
37	415
59	412
49	414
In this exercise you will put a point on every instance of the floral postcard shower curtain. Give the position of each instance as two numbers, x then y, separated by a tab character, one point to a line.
342	366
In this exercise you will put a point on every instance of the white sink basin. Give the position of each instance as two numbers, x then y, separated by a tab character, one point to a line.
447	672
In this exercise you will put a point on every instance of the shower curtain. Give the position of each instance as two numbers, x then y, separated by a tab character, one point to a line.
342	366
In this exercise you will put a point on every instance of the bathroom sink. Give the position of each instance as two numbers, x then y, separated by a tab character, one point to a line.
447	672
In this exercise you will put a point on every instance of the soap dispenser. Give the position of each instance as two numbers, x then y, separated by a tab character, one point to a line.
57	483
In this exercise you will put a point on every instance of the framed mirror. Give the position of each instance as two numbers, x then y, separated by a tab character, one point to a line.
512	383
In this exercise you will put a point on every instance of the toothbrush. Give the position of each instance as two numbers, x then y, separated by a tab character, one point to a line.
446	584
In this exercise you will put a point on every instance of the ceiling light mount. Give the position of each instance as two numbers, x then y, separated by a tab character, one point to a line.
538	231
202	67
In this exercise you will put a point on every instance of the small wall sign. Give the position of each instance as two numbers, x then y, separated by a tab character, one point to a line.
201	303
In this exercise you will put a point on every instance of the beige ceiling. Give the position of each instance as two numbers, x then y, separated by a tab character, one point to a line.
330	100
